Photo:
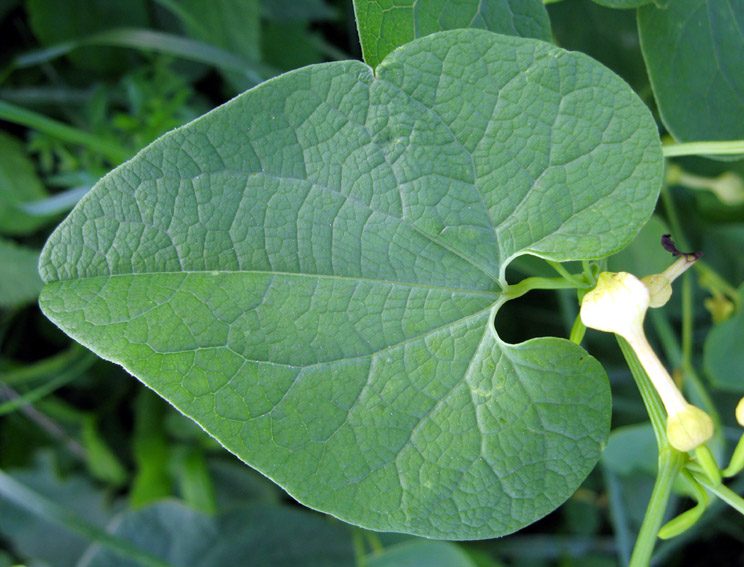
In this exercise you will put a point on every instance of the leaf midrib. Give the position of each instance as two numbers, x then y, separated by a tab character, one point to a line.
464	291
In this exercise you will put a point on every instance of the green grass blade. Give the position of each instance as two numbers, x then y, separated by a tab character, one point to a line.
113	151
144	39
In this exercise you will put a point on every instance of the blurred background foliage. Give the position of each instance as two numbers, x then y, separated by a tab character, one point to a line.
97	470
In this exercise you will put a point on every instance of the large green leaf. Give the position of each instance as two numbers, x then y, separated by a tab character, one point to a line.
694	51
385	25
265	536
311	272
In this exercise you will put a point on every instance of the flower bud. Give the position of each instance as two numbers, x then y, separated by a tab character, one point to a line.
659	289
740	412
720	307
688	428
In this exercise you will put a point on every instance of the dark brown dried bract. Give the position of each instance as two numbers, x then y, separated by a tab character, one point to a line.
669	246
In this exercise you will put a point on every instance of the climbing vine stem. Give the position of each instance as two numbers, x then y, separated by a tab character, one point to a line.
733	147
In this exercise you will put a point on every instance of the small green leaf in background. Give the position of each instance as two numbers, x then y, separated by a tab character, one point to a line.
236	484
150	450
247	535
609	36
19	274
694	51
385	25
102	461
6	6
421	554
723	243
18	184
233	25
76	493
229	24
312	270
288	45
194	481
723	355
55	22
632	449
622	4
292	10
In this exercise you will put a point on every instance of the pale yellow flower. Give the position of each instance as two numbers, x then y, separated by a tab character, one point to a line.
618	304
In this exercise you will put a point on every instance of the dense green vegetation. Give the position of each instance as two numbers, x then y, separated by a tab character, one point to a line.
364	278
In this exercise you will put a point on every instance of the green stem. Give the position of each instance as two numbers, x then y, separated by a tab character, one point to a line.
360	554
733	147
671	462
673	218
528	284
111	150
577	331
374	543
723	492
588	274
18	401
712	517
558	267
687	321
688	518
162	42
35	504
65	376
43	368
707	462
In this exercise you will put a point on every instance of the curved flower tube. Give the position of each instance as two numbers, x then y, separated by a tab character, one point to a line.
618	304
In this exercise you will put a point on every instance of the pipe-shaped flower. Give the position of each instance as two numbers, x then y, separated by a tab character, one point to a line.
618	304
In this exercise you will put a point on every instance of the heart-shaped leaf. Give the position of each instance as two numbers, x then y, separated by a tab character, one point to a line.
312	271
